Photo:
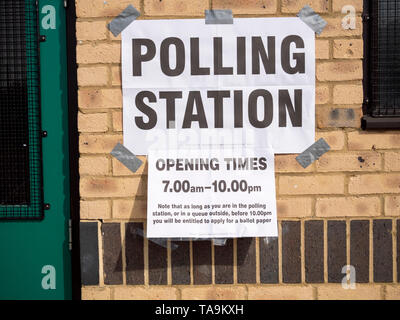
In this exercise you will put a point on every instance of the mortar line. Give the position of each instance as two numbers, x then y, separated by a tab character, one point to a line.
235	278
146	255
325	251
191	262
394	245
100	245
371	251
348	235
280	276
258	263
383	292
169	263
302	252
212	263
142	7
123	251
348	257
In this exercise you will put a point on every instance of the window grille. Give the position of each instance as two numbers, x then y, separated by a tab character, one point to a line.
382	24
21	191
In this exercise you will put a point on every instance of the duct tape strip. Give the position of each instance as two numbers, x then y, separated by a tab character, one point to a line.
219	17
217	241
267	240
159	241
220	242
313	153
124	19
312	19
127	158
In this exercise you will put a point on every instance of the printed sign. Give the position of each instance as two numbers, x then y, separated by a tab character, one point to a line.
187	83
211	193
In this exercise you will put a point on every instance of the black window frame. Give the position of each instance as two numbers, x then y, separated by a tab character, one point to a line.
370	121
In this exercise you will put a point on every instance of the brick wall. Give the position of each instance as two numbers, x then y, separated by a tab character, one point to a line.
342	210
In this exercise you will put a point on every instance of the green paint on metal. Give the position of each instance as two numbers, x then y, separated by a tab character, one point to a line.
27	247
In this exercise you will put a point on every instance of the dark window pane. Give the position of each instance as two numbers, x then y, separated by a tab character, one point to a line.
20	132
14	134
385	58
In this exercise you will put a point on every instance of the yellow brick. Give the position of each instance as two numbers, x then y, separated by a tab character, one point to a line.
348	94
130	209
101	8
340	71
294	207
247	6
392	292
328	117
392	206
392	161
334	28
362	292
364	140
145	293
214	293
175	7
294	6
99	53
317	184
360	161
94	166
95	293
348	207
98	209
335	139
375	183
322	49
99	143
117	121
92	122
339	4
99	98
92	76
120	170
348	49
92	187
281	293
90	31
321	94
116	76
288	163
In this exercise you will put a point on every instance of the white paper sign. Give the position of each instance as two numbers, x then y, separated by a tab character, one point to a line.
211	193
186	83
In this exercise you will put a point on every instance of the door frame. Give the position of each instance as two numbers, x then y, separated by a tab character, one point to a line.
73	146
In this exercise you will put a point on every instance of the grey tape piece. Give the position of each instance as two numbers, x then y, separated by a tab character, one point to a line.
220	242
219	17
187	239
159	241
128	159
217	241
313	153
312	19
267	240
124	19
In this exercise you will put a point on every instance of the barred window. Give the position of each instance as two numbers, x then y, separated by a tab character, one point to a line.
382	64
20	132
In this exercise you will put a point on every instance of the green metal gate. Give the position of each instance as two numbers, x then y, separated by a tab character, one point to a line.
35	256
